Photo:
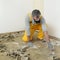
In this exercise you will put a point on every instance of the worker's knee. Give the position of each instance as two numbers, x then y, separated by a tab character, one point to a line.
40	36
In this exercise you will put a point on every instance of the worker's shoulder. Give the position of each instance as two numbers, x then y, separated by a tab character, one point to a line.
41	16
27	17
28	14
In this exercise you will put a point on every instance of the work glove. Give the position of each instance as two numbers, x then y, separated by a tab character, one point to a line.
30	44
50	46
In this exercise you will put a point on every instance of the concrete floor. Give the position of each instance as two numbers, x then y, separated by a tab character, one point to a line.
12	42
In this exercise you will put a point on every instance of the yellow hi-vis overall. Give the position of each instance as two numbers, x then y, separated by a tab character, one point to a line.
33	28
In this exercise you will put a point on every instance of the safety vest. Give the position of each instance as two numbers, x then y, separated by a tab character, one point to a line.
30	16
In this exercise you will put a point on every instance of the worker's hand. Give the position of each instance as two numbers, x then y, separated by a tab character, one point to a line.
30	44
50	46
29	38
46	36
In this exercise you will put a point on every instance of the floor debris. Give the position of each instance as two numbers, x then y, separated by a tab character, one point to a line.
12	50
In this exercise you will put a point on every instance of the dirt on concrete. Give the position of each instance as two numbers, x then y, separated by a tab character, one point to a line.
11	45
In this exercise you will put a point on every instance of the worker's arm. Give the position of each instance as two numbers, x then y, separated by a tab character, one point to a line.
27	26
44	28
46	36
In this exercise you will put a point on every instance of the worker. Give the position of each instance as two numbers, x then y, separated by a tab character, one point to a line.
35	21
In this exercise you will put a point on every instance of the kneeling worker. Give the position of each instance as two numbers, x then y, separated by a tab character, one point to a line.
35	21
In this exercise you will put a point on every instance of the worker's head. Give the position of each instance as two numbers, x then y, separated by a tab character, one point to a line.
36	14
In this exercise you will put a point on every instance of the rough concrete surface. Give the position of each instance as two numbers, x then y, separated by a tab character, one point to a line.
11	45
